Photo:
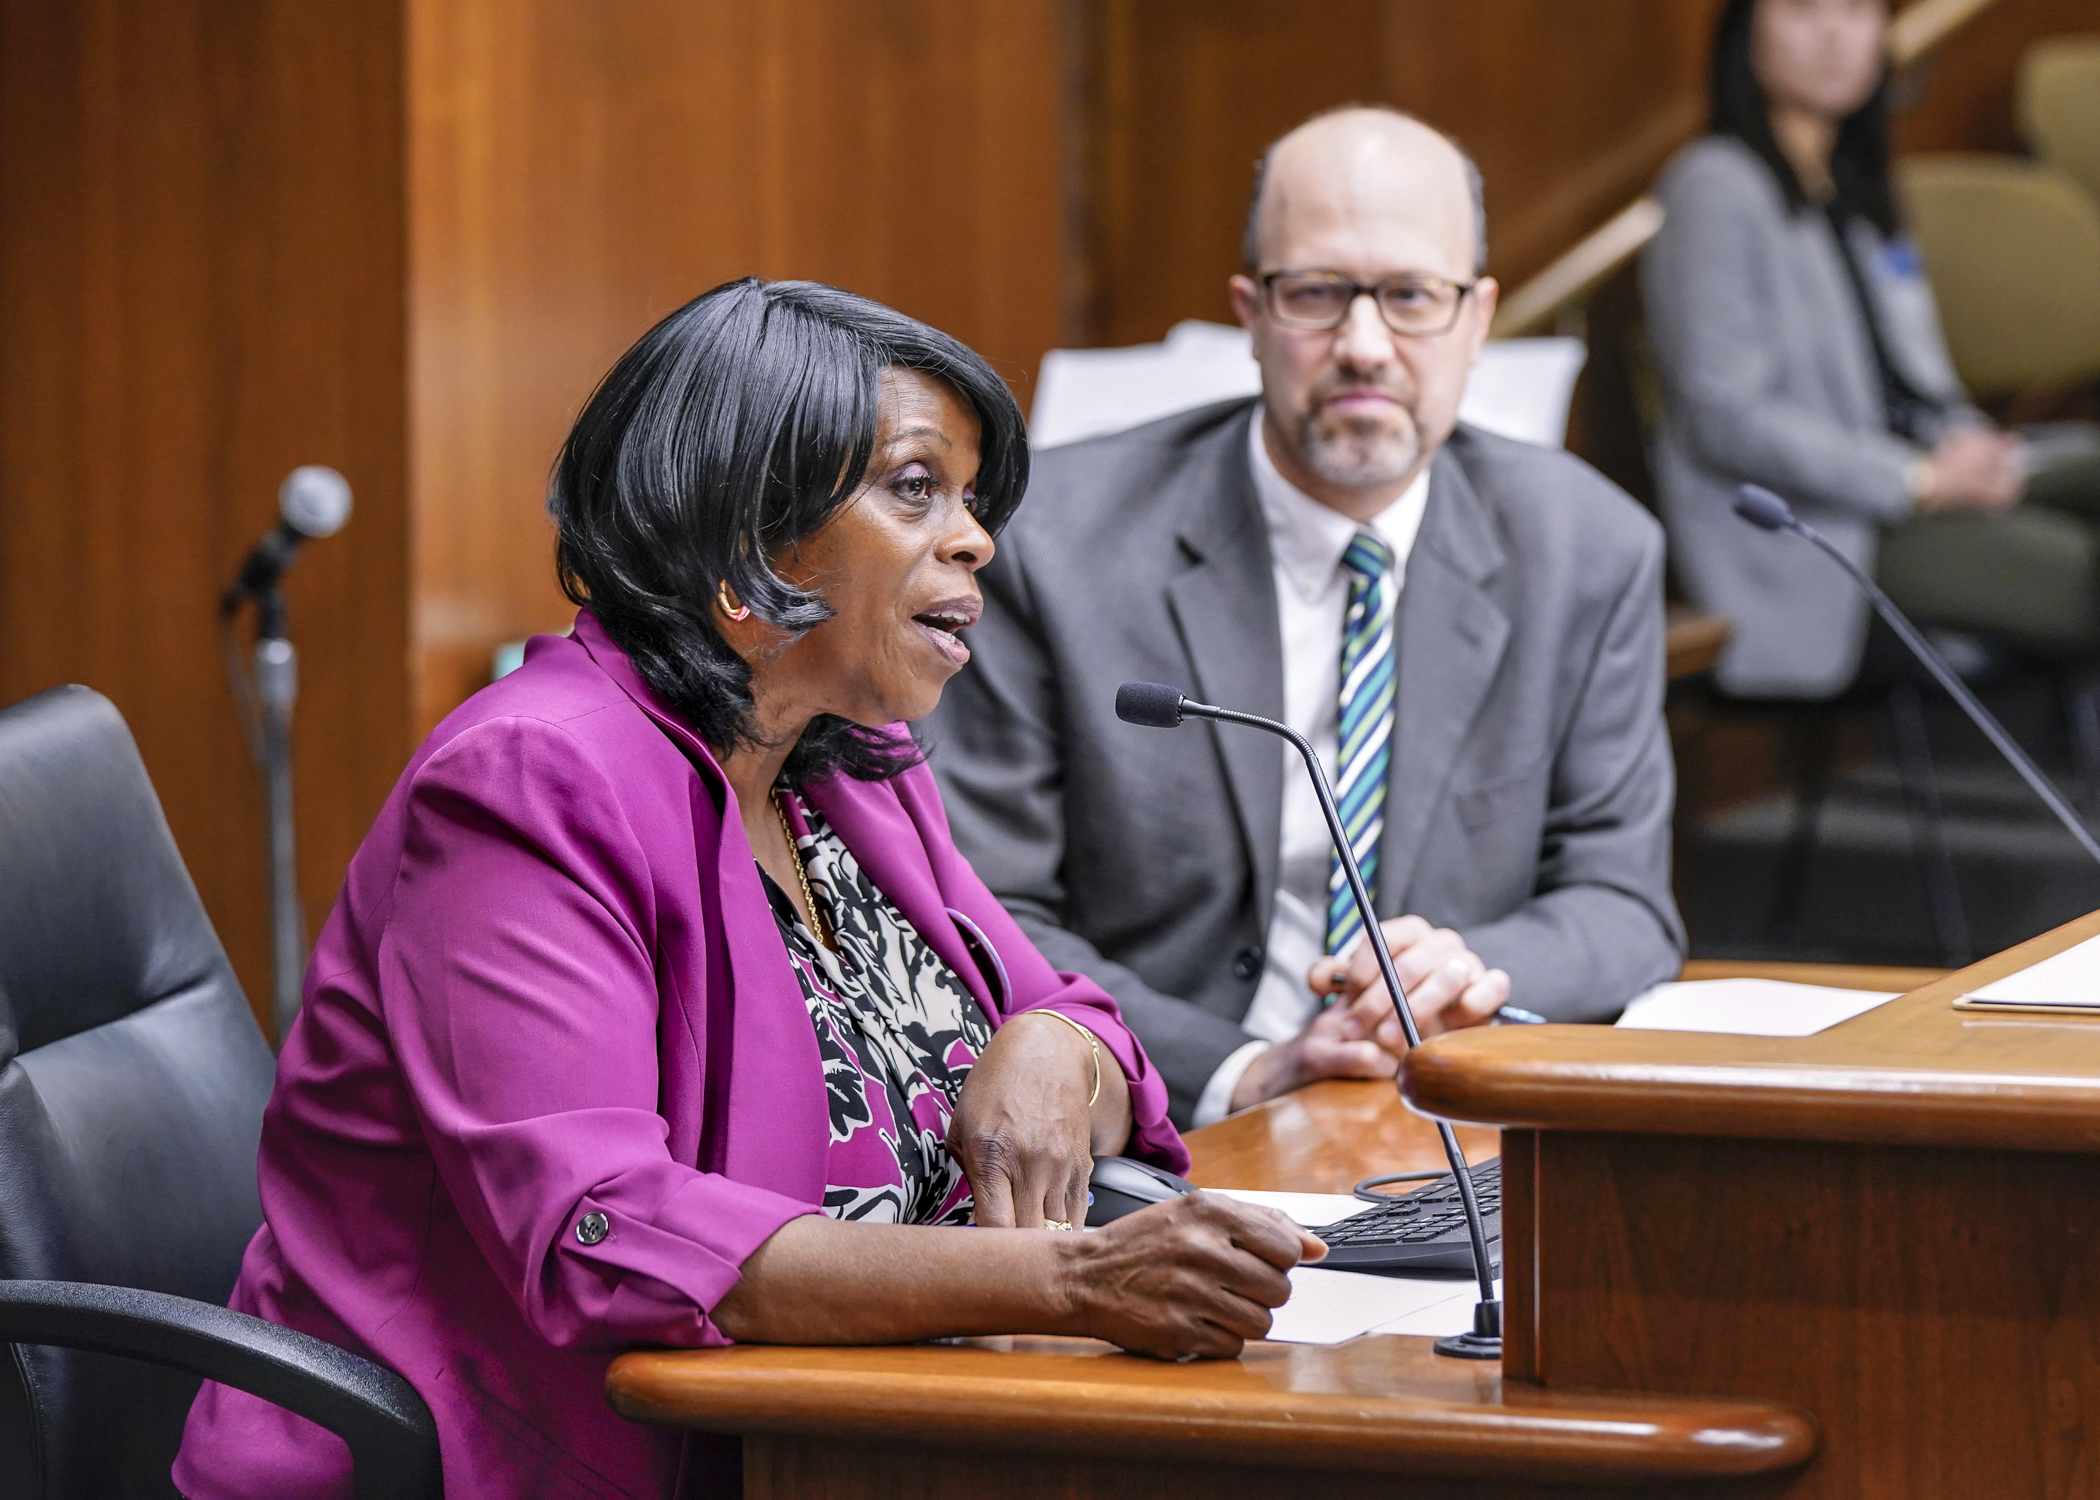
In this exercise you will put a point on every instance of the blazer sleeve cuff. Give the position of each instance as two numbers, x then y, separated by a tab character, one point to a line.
667	1269
1891	461
1580	970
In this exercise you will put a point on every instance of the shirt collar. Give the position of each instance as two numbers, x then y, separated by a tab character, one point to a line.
1307	539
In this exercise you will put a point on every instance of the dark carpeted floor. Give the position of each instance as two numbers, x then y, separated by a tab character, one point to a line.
1866	898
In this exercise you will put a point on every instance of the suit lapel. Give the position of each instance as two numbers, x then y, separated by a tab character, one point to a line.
1450	642
774	1072
1224	606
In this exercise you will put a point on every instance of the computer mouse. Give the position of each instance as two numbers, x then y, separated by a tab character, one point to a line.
1123	1185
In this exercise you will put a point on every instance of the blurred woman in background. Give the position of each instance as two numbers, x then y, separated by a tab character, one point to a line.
659	1008
1799	349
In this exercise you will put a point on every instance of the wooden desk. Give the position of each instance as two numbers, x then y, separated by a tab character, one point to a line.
1888	979
1037	1418
1692	640
1325	1139
1894	1224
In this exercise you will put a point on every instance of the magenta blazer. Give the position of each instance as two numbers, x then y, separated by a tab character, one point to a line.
553	987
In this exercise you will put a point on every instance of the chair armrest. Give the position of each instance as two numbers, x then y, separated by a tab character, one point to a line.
393	1441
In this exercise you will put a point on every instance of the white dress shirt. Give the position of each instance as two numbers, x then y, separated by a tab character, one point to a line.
1306	543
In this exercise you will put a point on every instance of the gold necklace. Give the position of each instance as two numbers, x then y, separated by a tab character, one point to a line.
787	829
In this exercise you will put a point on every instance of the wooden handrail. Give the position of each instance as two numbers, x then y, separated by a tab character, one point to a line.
1923	26
1577	273
1599	254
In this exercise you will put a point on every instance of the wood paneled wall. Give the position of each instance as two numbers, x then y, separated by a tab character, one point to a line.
1568	109
579	170
201	287
405	240
1961	99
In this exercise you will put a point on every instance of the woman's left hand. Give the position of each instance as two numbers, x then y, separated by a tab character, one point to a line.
1023	1131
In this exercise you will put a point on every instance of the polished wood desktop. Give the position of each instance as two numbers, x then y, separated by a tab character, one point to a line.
1864	1264
1692	641
1037	1418
1380	1416
1068	1418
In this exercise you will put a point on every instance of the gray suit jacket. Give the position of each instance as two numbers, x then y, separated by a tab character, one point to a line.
1530	798
1770	377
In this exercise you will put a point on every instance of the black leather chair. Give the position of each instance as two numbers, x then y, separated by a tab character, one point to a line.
132	1085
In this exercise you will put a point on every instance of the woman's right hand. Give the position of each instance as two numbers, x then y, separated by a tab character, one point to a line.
1195	1275
1973	468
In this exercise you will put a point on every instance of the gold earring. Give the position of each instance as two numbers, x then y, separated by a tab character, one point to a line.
723	598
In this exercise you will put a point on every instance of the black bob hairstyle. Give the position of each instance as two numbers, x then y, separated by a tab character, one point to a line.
1860	164
737	426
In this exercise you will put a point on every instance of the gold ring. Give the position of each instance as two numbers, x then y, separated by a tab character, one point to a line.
1064	1224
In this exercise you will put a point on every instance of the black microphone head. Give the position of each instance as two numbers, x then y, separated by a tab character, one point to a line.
1152	704
1762	509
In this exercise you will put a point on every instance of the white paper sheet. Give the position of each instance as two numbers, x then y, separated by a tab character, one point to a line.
1310	1209
1747	1007
2070	978
1437	1319
1332	1307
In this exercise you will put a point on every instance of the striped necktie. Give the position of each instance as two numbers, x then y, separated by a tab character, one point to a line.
1366	725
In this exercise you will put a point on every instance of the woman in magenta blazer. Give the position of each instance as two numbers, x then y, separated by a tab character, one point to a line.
658	1007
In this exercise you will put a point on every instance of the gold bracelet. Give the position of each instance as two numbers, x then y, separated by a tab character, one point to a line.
1092	1042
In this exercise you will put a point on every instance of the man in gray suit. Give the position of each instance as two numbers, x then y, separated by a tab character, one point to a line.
1469	628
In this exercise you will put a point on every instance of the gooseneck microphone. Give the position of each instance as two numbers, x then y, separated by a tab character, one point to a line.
314	501
1766	511
1157	706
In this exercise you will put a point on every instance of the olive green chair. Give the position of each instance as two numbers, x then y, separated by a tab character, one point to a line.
2013	251
2059	105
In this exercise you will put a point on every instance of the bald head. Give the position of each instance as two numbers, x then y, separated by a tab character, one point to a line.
1361	166
1355	405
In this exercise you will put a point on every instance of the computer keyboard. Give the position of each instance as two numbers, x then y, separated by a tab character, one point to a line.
1424	1230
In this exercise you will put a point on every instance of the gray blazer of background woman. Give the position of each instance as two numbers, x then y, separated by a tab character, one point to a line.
1769	376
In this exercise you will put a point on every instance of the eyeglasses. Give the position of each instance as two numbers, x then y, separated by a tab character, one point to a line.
1414	305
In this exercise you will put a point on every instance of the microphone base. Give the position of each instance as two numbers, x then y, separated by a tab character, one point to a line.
1471	1345
1482	1341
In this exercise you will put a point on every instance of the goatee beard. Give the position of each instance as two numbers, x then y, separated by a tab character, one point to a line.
1359	456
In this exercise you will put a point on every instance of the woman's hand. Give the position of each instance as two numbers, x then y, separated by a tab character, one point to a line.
1023	1131
1196	1275
1972	468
